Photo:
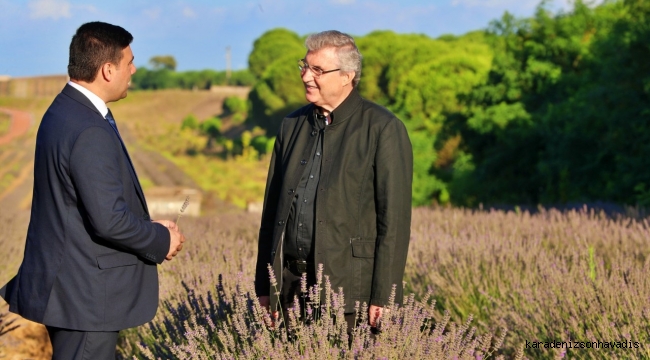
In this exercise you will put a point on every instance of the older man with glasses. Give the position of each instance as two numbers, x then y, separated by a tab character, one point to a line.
338	191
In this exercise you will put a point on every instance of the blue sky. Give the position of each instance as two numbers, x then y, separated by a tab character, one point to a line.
35	34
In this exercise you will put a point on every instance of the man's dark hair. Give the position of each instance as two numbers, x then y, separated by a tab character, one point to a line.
95	44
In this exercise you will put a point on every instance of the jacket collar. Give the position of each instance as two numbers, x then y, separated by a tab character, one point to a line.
94	99
77	96
347	107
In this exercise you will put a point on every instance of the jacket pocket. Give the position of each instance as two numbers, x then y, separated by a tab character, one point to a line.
363	248
116	260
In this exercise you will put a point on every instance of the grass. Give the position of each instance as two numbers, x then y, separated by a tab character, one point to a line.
5	123
237	181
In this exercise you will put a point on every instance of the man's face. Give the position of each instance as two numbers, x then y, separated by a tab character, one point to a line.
123	73
330	89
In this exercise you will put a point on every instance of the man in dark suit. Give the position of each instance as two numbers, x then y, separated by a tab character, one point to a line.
89	268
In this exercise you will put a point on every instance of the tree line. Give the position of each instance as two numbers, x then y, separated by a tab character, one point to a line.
542	110
162	74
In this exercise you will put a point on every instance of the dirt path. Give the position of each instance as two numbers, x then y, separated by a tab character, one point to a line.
20	123
16	161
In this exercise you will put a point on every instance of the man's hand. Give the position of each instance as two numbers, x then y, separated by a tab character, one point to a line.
168	224
265	301
176	238
375	313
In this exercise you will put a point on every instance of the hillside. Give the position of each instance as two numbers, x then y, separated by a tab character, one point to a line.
147	120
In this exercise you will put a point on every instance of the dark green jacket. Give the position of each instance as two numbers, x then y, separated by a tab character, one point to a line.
363	206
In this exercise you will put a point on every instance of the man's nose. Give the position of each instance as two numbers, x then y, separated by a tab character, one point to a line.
307	75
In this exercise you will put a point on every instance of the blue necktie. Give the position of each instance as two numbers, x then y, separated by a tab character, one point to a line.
111	120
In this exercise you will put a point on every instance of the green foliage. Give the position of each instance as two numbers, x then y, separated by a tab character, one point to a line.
552	123
533	110
211	127
270	144
277	93
163	62
415	76
235	180
190	122
259	143
237	108
165	78
241	78
271	46
145	79
5	123
425	185
278	90
234	104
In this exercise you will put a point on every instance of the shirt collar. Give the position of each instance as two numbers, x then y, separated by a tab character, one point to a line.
345	109
94	99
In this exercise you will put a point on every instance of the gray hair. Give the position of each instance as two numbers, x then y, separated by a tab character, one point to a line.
346	50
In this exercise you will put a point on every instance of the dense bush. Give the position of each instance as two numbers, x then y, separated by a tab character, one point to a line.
236	108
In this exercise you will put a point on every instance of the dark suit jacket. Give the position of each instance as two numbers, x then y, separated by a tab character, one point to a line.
91	250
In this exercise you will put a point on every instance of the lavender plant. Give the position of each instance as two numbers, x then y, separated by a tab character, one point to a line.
182	209
234	326
550	276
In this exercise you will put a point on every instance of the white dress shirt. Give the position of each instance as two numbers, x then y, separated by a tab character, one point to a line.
99	103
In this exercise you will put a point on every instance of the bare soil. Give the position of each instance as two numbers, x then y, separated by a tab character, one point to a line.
20	123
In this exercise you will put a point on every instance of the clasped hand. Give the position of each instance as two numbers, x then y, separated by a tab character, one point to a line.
176	238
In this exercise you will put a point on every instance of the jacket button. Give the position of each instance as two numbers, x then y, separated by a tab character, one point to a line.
146	217
303	162
281	222
291	191
313	133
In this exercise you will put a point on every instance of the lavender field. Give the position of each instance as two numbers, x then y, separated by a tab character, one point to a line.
576	277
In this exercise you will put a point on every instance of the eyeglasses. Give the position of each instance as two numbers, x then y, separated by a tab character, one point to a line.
303	66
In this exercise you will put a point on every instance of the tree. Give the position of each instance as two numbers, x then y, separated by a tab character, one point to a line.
163	62
271	46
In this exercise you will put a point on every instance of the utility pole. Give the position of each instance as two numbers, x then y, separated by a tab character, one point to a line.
227	65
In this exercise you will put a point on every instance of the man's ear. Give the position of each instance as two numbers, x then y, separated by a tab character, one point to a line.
348	76
107	71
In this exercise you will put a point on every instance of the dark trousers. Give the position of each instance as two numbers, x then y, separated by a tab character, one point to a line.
291	289
82	345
